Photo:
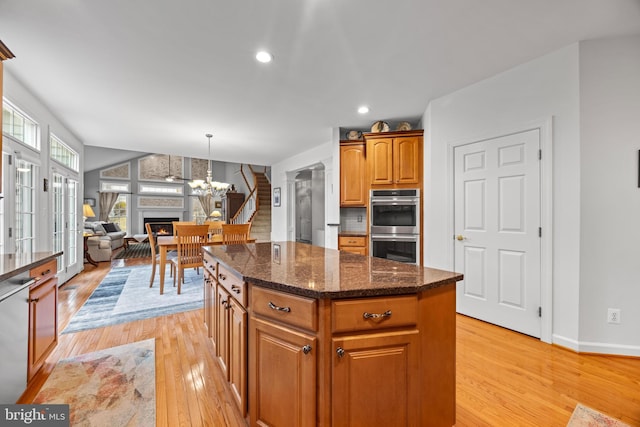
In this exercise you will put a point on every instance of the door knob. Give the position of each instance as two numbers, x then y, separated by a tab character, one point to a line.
460	237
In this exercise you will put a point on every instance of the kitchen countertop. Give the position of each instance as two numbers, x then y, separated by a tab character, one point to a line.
12	265
318	272
353	234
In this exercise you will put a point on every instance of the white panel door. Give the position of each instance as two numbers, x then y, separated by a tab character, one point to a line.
497	220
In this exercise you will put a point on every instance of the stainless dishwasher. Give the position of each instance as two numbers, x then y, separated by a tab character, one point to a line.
14	336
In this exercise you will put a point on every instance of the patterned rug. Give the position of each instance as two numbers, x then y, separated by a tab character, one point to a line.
586	417
124	296
135	250
111	387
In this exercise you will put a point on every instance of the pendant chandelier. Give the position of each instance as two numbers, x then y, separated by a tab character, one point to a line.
202	187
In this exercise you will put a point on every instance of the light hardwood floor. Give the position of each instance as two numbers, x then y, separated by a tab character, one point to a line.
503	378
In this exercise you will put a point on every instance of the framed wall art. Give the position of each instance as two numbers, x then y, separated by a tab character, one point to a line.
276	196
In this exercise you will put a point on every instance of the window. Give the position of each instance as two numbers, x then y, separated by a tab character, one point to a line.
18	125
25	206
115	187
170	190
199	214
118	214
64	155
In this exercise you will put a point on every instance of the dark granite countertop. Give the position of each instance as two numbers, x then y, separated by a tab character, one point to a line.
353	234
11	265
318	272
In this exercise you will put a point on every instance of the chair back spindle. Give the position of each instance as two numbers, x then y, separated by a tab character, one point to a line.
235	233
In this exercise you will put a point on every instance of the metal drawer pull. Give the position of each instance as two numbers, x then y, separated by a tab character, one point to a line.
306	349
272	306
340	352
375	315
44	273
34	300
222	276
235	288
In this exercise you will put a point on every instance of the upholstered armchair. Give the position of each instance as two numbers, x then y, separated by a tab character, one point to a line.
99	248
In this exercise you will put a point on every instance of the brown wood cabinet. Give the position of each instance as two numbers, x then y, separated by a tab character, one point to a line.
282	375
231	202
395	159
366	340
354	186
226	319
43	316
353	244
389	394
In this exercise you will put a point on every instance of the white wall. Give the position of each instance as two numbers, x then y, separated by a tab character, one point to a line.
328	154
26	101
610	197
532	92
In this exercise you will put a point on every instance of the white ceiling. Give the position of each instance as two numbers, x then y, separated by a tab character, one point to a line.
156	75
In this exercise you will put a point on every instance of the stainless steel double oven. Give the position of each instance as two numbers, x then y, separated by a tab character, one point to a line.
395	225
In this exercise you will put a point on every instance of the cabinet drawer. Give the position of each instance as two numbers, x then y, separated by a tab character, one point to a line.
290	309
45	271
209	263
374	313
354	250
232	283
352	241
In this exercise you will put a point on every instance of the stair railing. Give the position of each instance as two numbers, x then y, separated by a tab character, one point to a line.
250	205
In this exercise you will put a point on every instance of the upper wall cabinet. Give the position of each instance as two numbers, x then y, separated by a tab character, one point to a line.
353	173
394	158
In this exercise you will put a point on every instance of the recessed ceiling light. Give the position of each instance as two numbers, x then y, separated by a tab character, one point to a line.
264	56
363	110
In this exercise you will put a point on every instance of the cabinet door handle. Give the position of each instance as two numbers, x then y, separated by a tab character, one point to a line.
375	315
306	349
340	352
235	288
34	299
222	276
272	306
225	304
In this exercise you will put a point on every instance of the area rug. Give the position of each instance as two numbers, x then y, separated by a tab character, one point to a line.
124	296
135	250
111	387
586	417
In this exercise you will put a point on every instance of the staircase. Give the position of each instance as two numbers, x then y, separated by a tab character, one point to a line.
261	222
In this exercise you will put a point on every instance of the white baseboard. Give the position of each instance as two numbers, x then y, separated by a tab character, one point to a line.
597	347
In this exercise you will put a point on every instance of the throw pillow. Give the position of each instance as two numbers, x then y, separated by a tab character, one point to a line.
109	227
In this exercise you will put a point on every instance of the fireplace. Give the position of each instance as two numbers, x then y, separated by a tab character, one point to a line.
160	226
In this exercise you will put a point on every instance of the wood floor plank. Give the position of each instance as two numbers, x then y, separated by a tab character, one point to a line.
503	378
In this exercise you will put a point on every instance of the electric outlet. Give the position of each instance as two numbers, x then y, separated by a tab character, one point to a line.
359	218
613	315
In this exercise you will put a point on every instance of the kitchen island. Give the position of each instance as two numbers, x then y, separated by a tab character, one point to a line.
311	336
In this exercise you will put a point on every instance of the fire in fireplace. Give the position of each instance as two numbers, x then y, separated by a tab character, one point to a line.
160	226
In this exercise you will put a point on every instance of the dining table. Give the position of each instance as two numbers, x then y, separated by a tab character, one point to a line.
170	242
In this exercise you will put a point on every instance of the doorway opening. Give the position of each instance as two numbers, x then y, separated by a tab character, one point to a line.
309	194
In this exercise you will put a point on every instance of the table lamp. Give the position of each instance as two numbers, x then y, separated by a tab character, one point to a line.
216	215
87	211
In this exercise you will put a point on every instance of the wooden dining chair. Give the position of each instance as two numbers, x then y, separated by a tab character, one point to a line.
174	223
235	233
215	228
189	239
155	256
